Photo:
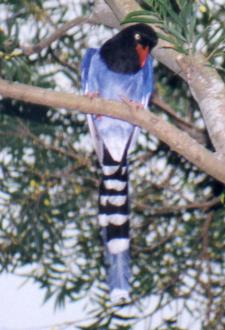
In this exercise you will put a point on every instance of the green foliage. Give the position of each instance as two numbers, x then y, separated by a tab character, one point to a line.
180	24
49	183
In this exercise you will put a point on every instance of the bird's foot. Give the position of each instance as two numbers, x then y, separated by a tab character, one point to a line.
92	95
132	104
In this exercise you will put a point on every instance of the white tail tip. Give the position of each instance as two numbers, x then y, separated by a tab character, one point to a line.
119	296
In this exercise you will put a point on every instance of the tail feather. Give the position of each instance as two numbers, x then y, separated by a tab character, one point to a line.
119	275
113	218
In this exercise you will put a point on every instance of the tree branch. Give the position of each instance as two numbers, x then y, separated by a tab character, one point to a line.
204	205
209	91
58	33
195	132
178	140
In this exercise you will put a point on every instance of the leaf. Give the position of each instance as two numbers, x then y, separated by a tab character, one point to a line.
171	13
166	37
186	13
48	295
189	20
139	13
192	28
146	20
172	29
220	42
144	13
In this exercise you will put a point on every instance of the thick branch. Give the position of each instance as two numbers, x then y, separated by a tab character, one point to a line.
209	91
178	140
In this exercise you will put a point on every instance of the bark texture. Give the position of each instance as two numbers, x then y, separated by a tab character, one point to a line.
209	91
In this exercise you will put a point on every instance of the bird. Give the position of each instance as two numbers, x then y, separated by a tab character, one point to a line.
121	69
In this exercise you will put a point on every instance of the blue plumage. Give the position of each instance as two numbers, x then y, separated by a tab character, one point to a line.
113	138
97	78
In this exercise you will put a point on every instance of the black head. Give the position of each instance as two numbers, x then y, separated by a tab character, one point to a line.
120	52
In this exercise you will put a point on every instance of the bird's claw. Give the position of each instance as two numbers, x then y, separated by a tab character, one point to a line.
92	95
132	103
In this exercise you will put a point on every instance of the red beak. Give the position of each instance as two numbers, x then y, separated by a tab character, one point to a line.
143	53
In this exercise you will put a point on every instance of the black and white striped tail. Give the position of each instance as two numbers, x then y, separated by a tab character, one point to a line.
113	218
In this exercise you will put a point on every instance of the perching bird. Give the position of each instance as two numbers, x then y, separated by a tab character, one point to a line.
120	69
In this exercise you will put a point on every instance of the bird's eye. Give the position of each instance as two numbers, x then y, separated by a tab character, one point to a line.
137	36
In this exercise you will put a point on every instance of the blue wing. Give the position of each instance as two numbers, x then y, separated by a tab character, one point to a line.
97	78
113	139
85	65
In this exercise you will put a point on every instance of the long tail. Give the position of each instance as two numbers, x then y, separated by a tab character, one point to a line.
113	218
